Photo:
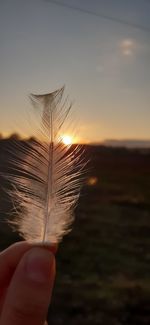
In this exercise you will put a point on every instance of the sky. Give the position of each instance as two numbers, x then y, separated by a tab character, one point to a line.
100	52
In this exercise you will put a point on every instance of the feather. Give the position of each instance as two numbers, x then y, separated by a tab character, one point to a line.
46	175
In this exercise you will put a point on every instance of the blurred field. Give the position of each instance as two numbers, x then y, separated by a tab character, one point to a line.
103	265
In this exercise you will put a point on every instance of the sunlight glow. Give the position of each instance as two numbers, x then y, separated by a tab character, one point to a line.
67	139
92	181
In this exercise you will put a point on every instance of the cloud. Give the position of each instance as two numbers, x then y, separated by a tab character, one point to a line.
128	46
116	55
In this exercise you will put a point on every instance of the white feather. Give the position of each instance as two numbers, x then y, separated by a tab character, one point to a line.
47	176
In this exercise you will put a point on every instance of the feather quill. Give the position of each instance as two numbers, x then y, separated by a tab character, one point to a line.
46	175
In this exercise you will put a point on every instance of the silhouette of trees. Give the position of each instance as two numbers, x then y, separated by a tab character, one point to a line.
15	136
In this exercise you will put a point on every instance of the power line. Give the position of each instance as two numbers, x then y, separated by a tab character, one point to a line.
101	15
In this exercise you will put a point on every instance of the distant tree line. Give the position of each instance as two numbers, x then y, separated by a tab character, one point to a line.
15	136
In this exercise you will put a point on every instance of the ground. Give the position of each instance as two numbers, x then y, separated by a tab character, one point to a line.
103	265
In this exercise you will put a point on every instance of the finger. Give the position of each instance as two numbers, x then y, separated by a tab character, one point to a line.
3	292
10	257
54	248
30	290
9	260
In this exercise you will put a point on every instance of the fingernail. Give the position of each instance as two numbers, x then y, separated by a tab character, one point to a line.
38	264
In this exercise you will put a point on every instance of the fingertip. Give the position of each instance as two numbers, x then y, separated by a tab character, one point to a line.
39	264
31	287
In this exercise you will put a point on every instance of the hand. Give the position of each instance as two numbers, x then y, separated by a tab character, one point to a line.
26	281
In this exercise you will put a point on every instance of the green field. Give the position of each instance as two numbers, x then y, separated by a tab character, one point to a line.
103	265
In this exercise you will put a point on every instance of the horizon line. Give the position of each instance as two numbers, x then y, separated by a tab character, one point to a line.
114	142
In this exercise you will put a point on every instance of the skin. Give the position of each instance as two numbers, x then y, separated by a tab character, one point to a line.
27	276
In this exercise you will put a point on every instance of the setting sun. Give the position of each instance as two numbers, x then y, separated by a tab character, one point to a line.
67	139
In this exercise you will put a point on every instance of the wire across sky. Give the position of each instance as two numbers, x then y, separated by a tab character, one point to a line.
101	15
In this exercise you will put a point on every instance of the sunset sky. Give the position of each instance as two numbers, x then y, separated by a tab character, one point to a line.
101	52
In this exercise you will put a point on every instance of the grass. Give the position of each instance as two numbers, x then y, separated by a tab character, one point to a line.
103	265
103	270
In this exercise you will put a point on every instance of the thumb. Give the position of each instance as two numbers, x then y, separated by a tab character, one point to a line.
30	290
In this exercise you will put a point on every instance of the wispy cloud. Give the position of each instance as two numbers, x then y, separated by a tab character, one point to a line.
112	61
128	46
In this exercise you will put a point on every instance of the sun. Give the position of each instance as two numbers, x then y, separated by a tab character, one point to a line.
67	139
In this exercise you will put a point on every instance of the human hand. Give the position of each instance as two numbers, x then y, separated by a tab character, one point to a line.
26	281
